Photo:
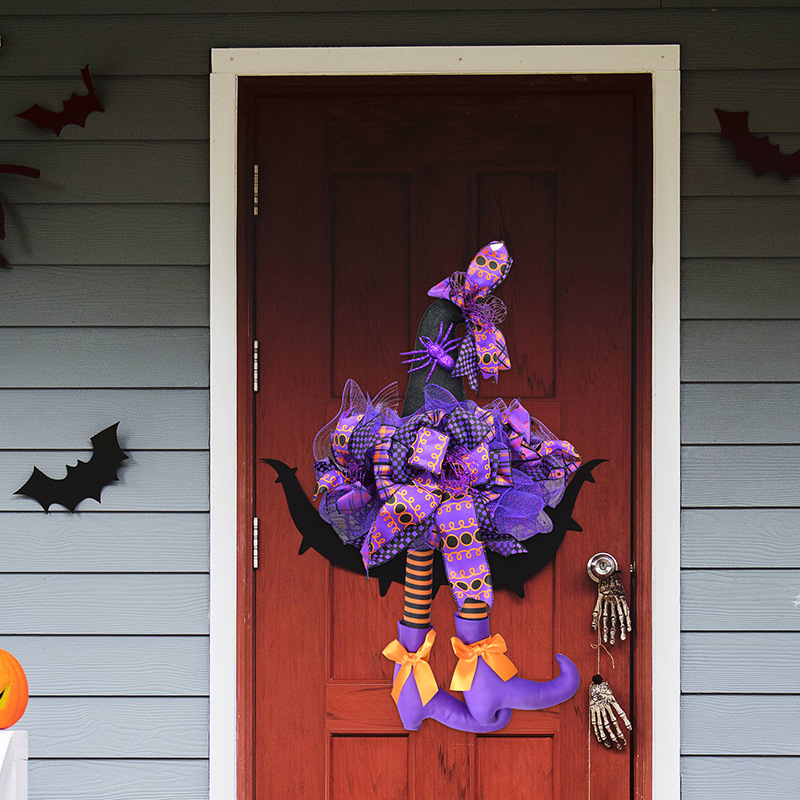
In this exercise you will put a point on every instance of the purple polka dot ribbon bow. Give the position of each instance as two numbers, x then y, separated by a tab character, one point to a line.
453	476
484	348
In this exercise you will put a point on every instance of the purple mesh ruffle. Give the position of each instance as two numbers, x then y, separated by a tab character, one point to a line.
364	455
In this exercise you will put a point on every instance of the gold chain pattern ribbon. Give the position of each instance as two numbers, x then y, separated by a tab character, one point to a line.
418	662
491	650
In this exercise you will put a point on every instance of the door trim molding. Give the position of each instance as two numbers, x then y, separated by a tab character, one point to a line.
662	62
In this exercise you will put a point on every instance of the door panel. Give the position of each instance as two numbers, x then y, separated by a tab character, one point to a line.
525	202
373	190
370	238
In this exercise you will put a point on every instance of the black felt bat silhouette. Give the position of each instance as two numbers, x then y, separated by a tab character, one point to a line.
85	479
758	151
75	110
13	169
508	572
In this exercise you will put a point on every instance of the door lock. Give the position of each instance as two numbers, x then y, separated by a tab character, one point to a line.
601	565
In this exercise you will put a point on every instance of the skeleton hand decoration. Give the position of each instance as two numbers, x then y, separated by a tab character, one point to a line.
602	705
611	603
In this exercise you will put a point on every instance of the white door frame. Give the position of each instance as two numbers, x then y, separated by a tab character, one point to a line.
662	61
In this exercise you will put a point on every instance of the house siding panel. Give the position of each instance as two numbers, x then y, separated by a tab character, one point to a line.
717	663
114	666
740	538
719	476
158	419
760	351
105	542
119	233
735	778
105	316
118	727
741	413
741	288
105	604
740	600
103	357
119	779
81	295
758	725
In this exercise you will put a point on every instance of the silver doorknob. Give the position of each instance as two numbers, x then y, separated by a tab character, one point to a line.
601	565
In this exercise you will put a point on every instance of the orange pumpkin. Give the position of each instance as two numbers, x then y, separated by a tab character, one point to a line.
13	690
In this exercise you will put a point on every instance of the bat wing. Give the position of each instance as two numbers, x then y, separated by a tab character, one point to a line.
42	489
758	151
84	479
106	448
90	479
44	119
76	109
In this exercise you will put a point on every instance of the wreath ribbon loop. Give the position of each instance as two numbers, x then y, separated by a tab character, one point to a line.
484	349
429	497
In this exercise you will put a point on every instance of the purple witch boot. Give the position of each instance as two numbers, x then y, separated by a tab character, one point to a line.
415	690
486	675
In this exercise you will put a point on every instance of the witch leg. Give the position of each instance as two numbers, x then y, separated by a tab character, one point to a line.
415	690
418	589
487	677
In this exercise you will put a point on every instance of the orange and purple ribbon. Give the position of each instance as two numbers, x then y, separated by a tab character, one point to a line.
483	350
453	476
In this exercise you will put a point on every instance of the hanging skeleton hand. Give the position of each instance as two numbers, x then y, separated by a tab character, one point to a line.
611	605
602	705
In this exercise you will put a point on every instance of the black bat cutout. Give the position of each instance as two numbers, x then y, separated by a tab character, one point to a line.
85	479
13	169
75	110
758	151
508	572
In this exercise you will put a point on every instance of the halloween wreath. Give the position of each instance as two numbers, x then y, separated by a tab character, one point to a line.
447	475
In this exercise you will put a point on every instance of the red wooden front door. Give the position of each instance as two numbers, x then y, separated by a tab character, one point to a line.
371	191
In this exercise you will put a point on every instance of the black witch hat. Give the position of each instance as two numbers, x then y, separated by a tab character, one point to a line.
508	572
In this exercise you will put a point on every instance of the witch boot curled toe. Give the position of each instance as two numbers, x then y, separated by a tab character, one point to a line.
488	679
415	690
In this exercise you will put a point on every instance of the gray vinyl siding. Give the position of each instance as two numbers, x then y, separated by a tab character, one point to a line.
105	316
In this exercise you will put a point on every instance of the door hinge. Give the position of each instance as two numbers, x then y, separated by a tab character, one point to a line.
255	190
633	567
255	542
255	365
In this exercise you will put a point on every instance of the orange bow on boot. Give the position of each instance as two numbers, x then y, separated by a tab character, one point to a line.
415	691
491	650
488	678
